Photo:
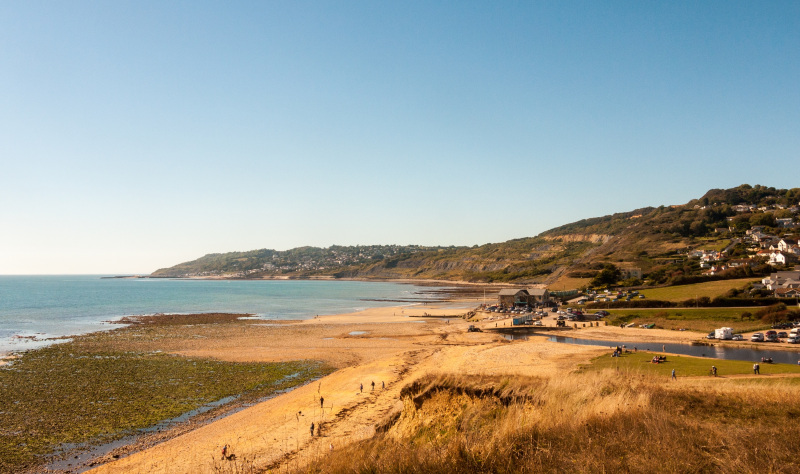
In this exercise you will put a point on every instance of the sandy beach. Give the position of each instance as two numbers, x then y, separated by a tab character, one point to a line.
373	353
390	347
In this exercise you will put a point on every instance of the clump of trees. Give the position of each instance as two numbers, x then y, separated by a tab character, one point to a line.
608	276
777	313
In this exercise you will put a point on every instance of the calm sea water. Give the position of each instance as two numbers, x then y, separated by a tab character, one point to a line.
34	308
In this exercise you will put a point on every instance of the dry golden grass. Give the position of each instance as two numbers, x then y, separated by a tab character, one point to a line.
567	283
596	422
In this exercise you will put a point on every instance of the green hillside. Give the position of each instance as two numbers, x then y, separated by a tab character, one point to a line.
655	240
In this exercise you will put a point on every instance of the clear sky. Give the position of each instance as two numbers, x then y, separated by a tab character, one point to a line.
137	135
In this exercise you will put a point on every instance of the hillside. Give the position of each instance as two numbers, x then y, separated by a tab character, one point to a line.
655	240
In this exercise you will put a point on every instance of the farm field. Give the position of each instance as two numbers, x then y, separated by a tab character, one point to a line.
709	289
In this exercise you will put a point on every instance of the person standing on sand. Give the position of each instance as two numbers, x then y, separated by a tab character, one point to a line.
373	385
361	388
312	429
673	375
383	384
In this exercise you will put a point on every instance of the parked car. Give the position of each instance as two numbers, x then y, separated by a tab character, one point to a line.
711	335
794	339
771	336
736	337
757	337
783	335
537	323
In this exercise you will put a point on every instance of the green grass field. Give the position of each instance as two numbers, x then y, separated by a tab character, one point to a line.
710	289
693	319
640	362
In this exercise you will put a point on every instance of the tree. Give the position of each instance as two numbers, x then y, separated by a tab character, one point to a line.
609	275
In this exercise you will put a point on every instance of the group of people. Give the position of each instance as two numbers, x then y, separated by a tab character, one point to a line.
619	350
226	456
361	386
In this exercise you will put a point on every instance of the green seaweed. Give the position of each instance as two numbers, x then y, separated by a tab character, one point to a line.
67	394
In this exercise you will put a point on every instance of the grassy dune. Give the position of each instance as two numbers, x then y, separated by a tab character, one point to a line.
593	421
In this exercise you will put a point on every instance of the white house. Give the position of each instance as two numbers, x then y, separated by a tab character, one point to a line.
785	244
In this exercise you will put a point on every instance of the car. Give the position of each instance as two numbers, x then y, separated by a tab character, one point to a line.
538	323
736	337
783	335
793	339
757	337
711	335
771	336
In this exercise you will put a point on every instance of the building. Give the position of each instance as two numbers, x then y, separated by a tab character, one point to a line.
538	296
782	280
626	273
787	293
513	297
523	297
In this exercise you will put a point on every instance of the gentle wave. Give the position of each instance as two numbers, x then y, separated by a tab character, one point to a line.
36	308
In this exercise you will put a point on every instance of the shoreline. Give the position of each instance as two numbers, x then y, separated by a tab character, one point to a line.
45	331
392	346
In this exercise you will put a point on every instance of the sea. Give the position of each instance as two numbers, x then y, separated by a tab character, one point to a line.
38	310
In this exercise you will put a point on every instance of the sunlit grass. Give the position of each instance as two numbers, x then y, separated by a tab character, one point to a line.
598	421
710	289
640	362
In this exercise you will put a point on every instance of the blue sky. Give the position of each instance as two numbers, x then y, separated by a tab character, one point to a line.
137	135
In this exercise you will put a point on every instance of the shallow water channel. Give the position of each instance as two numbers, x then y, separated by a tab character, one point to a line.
716	351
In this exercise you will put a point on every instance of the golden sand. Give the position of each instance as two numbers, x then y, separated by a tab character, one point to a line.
388	346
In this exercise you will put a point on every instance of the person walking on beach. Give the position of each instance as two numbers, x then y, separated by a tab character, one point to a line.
383	384
673	375
312	429
321	401
361	388
373	385
224	451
